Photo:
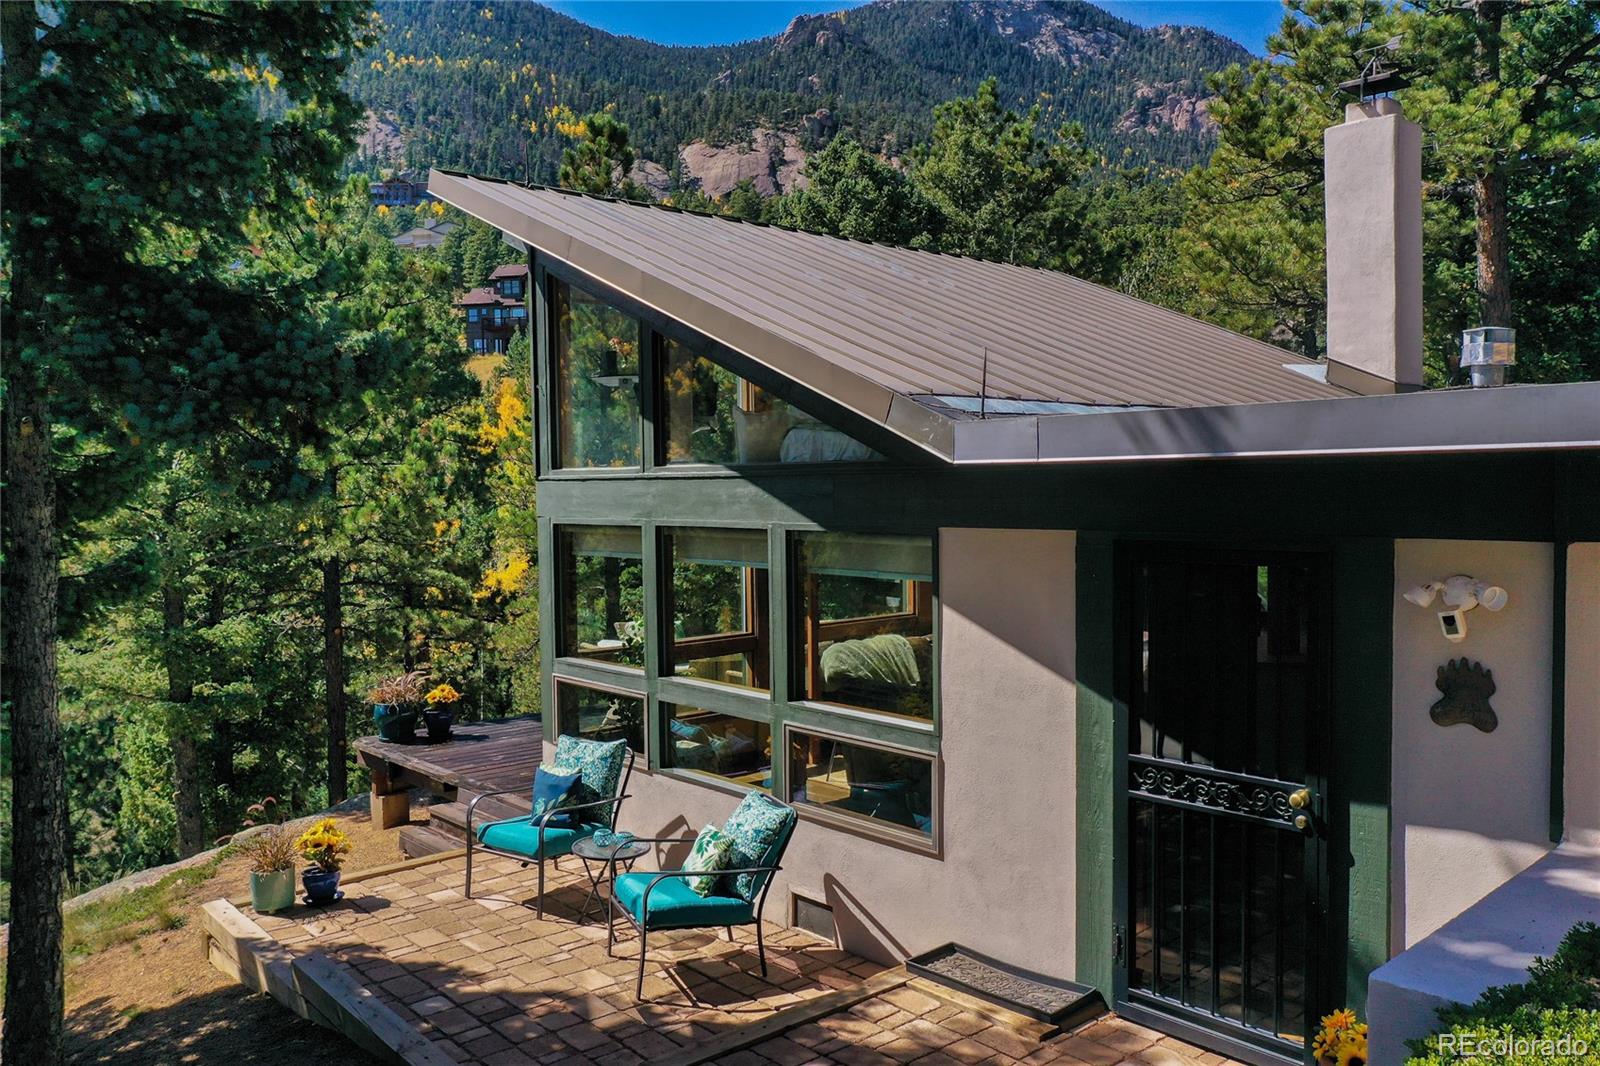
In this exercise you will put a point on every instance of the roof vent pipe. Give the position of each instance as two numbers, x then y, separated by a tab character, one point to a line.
1487	353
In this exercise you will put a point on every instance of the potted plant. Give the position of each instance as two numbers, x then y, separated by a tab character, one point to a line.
439	714
395	701
271	853
324	846
1341	1041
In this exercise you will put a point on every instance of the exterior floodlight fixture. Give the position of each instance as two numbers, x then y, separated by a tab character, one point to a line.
1461	593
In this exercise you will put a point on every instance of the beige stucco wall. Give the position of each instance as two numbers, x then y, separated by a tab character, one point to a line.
1004	881
1470	809
1582	775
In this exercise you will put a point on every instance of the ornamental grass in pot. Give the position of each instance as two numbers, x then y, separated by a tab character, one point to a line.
395	703
271	854
324	846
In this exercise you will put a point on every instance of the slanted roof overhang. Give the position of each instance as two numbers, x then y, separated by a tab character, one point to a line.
696	271
1511	418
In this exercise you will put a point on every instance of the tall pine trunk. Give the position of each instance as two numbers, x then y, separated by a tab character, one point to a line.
34	977
1489	192
333	676
186	798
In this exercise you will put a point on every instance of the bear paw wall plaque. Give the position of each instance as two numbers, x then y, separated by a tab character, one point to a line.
1467	688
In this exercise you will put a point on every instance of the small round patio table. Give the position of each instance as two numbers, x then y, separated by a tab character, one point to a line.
608	857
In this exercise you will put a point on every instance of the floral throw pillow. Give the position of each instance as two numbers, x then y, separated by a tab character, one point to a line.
757	826
711	851
599	765
552	787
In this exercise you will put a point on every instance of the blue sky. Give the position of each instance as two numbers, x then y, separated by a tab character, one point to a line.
724	21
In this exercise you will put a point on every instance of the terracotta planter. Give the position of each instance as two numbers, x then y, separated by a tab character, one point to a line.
272	891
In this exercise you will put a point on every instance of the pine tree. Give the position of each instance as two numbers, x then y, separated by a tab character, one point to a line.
1508	96
852	193
994	178
129	326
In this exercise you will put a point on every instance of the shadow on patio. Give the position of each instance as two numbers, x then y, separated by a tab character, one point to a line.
484	976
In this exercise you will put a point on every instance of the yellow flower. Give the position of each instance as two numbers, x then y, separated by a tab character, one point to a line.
443	693
1340	1019
1352	1052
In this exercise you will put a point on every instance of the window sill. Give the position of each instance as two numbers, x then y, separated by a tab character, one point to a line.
755	697
711	781
629	680
860	714
710	471
876	832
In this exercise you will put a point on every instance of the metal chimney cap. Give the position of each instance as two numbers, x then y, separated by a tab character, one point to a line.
1487	352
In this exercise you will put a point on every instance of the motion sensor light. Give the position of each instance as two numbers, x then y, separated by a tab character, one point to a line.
1423	595
1461	593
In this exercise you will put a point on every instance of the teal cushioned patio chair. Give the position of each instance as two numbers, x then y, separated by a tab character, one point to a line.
605	770
761	828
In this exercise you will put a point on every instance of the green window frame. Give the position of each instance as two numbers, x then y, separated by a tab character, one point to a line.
880	655
643	498
771	418
597	369
876	801
698	563
695	745
593	562
618	721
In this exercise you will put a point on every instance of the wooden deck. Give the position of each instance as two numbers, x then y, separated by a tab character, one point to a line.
479	757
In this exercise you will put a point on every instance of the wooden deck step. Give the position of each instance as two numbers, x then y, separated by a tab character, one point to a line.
450	819
417	841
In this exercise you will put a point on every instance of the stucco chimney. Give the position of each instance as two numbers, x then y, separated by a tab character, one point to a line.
1374	216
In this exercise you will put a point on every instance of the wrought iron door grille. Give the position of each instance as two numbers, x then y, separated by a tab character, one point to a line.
1205	788
1226	658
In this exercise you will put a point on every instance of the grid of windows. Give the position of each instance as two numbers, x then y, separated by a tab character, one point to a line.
795	661
847	729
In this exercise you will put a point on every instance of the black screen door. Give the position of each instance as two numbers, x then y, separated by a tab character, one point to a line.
1225	673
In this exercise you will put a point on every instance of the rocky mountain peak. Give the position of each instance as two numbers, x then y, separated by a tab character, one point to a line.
1067	33
811	31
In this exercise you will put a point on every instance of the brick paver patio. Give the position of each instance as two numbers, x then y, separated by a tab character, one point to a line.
490	983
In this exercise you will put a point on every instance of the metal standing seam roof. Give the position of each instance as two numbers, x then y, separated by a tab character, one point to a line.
900	337
908	322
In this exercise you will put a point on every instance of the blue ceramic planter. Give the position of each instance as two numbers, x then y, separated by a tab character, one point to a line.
322	886
394	724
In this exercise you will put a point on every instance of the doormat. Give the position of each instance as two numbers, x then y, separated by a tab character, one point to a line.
1062	1003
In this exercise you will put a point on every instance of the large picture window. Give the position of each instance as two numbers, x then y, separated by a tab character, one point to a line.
597	381
862	780
601	591
597	714
712	415
718	606
864	631
722	745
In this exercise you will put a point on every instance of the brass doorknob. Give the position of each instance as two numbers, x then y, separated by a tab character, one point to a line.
1301	822
1300	799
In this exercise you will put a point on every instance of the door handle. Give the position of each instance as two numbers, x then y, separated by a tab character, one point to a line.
1300	800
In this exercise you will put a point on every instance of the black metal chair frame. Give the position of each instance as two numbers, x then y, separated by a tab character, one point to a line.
662	875
472	838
